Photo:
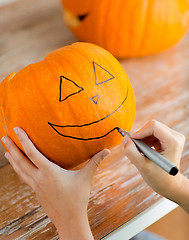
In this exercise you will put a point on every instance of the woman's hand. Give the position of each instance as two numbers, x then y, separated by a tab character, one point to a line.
63	194
170	144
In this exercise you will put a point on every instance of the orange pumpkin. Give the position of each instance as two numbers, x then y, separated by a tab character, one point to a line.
128	28
69	104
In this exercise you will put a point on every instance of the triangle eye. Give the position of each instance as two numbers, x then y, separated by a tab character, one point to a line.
101	74
71	88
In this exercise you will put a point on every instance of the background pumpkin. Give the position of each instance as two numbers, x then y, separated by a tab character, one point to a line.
68	102
128	28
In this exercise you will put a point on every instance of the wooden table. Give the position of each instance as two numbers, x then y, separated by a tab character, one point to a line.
119	197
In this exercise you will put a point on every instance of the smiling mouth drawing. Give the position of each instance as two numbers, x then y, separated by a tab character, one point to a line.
59	128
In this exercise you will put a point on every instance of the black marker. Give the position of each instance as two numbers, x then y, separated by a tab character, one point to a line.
153	155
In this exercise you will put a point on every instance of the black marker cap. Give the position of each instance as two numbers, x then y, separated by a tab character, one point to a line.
173	171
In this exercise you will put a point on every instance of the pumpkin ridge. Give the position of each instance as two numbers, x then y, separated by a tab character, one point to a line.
91	61
106	24
130	30
4	122
5	86
67	60
166	26
52	74
81	54
57	139
70	48
100	23
146	26
47	60
104	58
117	36
96	51
24	111
73	69
141	8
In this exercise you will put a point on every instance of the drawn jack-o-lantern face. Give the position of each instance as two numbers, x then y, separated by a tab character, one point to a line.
70	104
126	27
73	132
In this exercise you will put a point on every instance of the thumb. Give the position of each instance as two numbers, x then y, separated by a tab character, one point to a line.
91	167
132	152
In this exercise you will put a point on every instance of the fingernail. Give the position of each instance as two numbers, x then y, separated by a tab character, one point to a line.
105	154
7	155
3	139
16	130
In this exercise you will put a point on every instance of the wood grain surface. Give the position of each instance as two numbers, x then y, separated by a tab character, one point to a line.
29	30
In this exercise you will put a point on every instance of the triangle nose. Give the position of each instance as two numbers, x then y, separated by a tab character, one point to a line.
94	99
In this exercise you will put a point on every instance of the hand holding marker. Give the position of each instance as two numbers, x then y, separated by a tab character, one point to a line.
151	154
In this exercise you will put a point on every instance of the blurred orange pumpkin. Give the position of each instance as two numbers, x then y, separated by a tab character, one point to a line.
69	104
128	28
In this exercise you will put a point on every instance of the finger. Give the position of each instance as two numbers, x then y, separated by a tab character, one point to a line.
91	167
152	141
158	130
133	154
22	174
150	129
30	150
24	164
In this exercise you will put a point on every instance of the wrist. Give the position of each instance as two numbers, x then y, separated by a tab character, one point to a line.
76	228
179	192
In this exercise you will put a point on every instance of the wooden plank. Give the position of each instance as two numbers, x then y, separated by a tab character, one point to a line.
6	2
115	195
22	216
3	160
143	220
118	192
29	31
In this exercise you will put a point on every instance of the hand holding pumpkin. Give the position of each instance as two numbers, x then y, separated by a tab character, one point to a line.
63	194
170	144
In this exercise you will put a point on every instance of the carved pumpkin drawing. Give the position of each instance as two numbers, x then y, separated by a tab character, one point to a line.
69	104
128	28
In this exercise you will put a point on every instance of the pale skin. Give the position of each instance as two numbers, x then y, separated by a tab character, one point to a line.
64	194
170	144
